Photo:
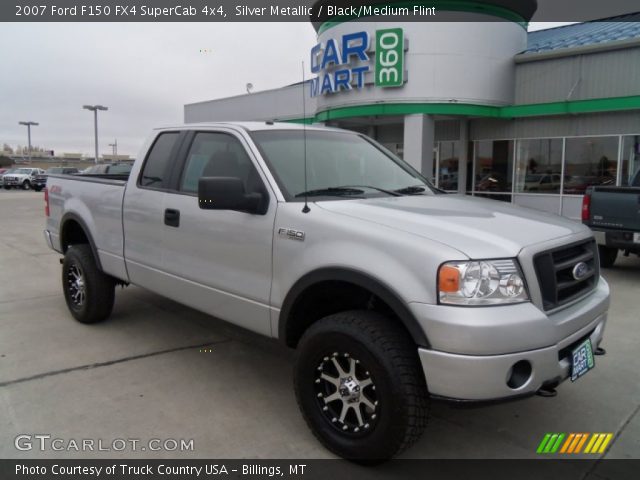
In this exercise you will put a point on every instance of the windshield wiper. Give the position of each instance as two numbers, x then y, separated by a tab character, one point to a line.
331	191
413	190
388	192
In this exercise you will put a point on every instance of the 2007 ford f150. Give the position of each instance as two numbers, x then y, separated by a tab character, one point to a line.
390	290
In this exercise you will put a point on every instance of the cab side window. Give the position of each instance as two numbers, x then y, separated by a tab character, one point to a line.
155	172
218	155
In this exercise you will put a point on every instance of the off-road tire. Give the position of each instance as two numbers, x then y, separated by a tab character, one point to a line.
99	288
385	351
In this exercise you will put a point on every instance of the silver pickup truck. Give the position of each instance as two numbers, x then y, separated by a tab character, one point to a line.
391	291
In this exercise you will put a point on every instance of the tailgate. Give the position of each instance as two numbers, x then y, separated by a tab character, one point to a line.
616	207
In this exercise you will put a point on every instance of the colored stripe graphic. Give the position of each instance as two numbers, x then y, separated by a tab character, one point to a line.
599	443
568	442
605	443
594	437
550	443
556	446
573	443
543	443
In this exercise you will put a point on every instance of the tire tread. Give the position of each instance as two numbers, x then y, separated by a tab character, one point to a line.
372	328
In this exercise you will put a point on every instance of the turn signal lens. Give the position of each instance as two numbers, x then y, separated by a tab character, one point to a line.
449	279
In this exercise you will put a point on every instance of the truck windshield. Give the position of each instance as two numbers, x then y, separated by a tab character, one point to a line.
341	165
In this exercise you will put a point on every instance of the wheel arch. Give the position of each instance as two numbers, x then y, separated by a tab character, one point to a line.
74	230
289	331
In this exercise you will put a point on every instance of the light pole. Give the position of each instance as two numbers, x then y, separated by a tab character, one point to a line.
94	109
28	124
114	146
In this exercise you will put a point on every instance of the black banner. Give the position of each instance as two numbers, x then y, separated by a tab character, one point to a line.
316	11
543	469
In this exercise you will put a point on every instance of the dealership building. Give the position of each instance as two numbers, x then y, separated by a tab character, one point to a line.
480	106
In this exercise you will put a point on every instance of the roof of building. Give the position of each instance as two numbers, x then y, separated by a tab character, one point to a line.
623	27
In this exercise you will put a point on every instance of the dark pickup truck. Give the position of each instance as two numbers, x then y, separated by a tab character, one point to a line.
40	180
613	213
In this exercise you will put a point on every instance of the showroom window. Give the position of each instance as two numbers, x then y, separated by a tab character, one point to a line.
448	161
630	158
539	165
589	161
493	169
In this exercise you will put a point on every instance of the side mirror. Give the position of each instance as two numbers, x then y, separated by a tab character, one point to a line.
227	193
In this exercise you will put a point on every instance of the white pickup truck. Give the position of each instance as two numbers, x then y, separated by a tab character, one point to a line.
391	291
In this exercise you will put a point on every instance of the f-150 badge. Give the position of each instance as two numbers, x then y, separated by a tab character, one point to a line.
291	234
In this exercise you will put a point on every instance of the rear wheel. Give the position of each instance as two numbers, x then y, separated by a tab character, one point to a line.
360	387
89	293
607	256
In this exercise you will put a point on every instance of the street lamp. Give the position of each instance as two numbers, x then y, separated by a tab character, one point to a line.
94	109
28	124
114	147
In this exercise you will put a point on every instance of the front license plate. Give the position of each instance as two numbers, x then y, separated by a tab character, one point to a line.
636	237
581	359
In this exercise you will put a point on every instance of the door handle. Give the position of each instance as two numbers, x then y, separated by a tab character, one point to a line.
172	217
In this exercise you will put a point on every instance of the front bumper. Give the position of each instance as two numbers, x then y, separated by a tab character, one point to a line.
467	371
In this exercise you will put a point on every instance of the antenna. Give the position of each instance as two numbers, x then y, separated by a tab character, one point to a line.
304	143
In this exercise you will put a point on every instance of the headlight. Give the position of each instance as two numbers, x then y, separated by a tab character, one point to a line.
481	282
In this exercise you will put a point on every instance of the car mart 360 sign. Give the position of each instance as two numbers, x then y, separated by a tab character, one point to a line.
341	64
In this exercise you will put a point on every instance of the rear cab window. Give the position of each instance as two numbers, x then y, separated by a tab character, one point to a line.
155	171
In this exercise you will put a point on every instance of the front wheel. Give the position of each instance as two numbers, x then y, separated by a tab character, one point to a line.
89	293
608	256
37	189
26	185
360	387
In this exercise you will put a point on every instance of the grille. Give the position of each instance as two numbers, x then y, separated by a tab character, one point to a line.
554	269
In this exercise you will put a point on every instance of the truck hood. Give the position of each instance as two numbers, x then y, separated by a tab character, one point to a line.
477	227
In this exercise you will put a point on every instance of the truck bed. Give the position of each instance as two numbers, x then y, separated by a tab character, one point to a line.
95	202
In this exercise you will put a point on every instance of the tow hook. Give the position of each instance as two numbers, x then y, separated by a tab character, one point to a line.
599	351
547	392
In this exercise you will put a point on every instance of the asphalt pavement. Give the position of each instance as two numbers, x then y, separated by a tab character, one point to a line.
160	370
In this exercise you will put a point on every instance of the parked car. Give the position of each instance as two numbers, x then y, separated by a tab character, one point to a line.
578	184
613	214
40	180
21	178
493	182
122	168
391	291
542	182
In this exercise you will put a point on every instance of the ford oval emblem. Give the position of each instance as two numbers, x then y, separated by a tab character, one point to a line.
580	270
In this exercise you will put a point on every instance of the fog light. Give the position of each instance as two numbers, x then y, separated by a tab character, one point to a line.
519	374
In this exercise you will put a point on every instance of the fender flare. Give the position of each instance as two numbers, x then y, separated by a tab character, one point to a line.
363	280
76	218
